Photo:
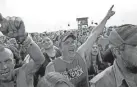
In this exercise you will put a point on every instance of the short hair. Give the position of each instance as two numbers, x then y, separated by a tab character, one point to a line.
48	38
4	48
9	51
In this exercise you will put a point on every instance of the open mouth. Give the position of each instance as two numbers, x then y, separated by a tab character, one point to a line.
71	50
95	51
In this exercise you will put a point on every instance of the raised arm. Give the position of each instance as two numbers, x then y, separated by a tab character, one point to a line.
14	27
34	52
94	34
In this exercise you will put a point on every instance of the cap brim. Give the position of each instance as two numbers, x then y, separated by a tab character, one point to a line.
69	36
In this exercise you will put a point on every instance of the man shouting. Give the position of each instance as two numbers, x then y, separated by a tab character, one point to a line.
72	63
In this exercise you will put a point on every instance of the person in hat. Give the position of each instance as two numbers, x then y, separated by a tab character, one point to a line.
123	72
14	27
72	63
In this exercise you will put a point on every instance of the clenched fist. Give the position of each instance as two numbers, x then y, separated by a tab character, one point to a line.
13	27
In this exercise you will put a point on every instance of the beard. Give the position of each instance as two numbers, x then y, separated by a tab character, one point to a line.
132	69
130	66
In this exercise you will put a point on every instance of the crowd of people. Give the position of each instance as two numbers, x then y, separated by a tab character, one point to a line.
92	57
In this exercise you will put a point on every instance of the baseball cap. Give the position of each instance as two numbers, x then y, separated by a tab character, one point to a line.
65	36
125	34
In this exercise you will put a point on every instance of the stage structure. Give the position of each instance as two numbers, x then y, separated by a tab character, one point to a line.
82	22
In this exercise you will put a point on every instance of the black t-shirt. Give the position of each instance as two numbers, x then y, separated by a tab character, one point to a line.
41	71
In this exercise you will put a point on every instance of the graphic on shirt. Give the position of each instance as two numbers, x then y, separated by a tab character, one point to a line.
73	73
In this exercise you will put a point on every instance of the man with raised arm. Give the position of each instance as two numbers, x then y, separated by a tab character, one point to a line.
14	27
72	64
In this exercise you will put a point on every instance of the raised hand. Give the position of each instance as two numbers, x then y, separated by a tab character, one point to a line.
13	27
110	12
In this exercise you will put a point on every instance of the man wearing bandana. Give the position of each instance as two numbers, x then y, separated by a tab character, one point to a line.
124	69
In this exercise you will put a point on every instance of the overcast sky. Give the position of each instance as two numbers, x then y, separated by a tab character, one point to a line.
50	15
